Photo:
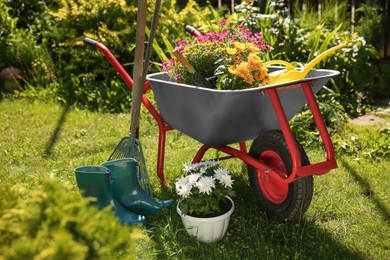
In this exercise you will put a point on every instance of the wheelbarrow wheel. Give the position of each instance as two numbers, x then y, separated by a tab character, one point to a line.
286	201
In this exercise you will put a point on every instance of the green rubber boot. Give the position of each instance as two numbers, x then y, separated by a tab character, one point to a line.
94	181
127	190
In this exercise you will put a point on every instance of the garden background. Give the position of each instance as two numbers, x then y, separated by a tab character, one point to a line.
68	107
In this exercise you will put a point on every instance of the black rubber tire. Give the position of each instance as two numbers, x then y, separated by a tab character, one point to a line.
300	192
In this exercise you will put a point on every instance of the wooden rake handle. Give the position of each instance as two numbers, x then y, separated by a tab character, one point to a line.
138	67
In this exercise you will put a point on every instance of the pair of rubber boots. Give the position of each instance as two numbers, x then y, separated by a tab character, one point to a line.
115	182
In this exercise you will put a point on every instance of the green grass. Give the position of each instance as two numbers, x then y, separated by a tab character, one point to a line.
348	217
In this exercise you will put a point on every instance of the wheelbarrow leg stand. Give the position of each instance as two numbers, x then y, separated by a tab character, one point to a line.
317	168
161	150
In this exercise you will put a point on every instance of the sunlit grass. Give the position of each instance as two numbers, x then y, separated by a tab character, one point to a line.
348	217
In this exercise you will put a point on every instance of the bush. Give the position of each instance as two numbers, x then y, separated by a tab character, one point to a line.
333	113
81	74
360	78
19	45
375	147
48	221
371	24
90	79
46	42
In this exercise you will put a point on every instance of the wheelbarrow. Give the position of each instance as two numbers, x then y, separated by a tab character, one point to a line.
280	174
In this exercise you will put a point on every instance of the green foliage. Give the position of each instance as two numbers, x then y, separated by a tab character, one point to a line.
173	19
347	219
44	39
89	78
360	75
371	23
171	28
332	13
22	51
333	113
30	12
375	147
48	221
19	44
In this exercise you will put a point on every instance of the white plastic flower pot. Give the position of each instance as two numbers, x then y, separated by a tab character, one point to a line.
207	229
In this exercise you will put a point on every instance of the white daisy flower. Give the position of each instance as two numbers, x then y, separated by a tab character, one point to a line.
188	167
202	170
184	190
193	178
181	181
210	163
222	175
205	184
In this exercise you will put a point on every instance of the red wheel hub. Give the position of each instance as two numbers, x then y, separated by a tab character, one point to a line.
275	191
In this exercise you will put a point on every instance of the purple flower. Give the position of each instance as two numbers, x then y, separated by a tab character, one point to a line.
259	35
182	43
248	32
223	22
201	38
165	66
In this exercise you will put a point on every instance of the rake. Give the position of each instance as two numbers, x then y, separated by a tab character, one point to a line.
130	146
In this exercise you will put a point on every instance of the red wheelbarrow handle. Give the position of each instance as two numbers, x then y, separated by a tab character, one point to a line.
90	41
111	58
192	30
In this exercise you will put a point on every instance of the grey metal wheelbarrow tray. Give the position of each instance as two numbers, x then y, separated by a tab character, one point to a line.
222	117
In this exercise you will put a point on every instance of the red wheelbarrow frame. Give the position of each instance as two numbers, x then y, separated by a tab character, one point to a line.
298	170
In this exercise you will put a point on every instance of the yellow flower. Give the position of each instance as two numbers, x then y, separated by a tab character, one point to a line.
262	75
264	72
231	51
239	46
254	62
258	76
241	70
236	59
252	47
207	52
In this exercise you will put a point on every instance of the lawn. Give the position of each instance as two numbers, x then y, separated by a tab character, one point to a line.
348	217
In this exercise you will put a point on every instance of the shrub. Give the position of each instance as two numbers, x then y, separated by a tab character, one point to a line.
375	147
333	12
21	44
48	221
89	79
173	19
333	113
371	24
359	79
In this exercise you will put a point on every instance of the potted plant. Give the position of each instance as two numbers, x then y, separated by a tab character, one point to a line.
205	204
232	58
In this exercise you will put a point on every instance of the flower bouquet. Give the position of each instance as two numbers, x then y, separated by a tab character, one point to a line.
203	189
230	59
